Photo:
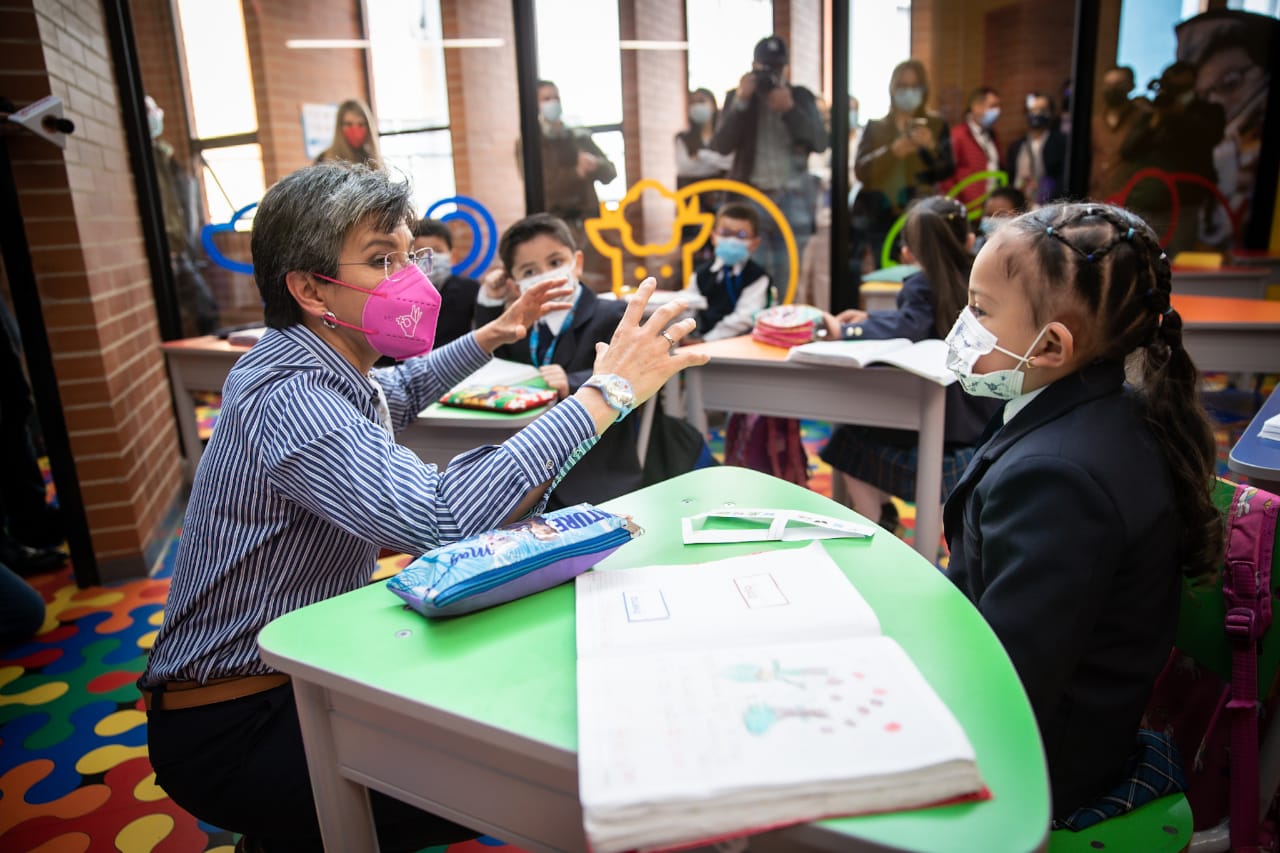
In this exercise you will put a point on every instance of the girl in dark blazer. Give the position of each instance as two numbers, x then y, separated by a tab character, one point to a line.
877	462
563	347
1077	521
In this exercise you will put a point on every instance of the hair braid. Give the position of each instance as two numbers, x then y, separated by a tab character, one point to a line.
1111	263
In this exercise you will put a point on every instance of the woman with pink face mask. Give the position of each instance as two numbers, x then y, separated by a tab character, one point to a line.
303	482
355	136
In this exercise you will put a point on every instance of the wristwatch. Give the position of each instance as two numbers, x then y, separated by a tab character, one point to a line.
616	390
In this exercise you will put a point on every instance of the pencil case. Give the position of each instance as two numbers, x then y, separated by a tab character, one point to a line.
787	325
499	398
511	562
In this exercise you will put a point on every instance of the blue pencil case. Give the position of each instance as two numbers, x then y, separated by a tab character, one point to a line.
511	562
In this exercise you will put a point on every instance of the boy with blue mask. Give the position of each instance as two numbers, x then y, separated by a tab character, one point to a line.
732	287
457	293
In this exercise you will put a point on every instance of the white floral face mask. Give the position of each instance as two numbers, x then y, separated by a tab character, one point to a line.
969	341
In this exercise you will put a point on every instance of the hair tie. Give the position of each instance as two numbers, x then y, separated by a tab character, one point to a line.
1129	235
1089	257
1167	311
1049	231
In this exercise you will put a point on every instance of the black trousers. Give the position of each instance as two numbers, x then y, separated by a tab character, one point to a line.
240	765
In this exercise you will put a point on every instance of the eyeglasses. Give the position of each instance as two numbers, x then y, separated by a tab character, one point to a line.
741	235
393	262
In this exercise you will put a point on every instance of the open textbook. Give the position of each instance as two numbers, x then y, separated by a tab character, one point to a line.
927	358
723	698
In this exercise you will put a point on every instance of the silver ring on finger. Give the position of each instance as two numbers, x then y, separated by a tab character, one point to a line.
671	341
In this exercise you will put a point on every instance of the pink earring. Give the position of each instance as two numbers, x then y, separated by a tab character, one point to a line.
329	319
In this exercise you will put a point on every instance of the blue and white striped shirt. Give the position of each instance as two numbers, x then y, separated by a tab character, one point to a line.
301	484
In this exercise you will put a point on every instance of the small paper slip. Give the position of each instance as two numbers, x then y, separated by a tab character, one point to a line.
771	525
1271	428
500	371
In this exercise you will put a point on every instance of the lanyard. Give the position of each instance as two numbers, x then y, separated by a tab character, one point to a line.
555	339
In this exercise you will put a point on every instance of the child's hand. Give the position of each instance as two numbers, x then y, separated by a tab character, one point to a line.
497	285
852	315
556	378
528	308
832	324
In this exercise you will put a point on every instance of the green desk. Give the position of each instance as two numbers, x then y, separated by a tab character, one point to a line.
476	718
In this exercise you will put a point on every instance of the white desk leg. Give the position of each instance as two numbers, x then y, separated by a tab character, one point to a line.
646	425
188	428
693	392
929	470
346	821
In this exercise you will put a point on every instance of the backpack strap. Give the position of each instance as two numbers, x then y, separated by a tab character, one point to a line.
1246	587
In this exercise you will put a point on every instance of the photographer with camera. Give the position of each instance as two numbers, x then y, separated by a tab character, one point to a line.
771	128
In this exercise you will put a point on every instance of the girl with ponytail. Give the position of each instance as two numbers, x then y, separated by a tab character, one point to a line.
876	462
1077	522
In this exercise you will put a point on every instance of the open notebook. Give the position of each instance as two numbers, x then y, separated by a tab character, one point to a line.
723	698
927	358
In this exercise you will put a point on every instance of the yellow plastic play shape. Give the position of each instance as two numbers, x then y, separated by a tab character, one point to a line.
688	212
1198	260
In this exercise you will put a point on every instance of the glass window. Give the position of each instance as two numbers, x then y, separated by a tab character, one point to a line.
589	101
232	179
217	62
410	94
1177	129
722	34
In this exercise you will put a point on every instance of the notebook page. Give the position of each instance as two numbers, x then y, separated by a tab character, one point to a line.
774	595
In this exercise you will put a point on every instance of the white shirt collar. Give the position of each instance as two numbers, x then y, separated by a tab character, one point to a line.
1018	403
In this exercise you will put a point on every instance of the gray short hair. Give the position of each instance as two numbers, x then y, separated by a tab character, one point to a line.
303	220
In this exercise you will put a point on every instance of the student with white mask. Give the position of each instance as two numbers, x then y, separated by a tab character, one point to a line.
541	248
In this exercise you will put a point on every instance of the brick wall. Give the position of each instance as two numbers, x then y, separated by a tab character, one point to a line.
285	78
81	220
484	110
799	22
1016	46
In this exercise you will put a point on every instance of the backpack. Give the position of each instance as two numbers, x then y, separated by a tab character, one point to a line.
1215	721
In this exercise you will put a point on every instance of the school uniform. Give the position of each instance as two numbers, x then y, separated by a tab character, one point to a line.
886	458
1064	533
612	466
457	307
733	295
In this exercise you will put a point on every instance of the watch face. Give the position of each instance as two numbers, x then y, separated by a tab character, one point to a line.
620	390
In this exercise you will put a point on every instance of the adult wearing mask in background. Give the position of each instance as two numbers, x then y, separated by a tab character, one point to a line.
771	127
904	155
355	137
975	146
1038	161
571	165
1110	126
696	160
197	308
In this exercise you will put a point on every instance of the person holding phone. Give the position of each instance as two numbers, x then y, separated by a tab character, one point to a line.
904	155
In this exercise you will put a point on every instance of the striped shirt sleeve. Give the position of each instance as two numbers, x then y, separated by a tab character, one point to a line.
320	453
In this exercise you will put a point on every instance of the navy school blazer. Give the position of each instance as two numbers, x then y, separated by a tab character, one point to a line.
1064	532
611	467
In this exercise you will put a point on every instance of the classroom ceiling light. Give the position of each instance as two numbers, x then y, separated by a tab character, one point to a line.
317	44
649	44
324	44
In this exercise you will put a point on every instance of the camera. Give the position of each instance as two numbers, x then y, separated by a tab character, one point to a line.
766	79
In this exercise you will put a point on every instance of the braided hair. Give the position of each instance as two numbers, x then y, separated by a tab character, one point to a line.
1103	267
936	232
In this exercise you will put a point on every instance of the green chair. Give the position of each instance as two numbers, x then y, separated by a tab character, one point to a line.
1166	824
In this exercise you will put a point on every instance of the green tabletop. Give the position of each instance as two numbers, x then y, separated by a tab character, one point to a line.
513	667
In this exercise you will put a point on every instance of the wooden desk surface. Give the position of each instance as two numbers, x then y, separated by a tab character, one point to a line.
1225	312
742	348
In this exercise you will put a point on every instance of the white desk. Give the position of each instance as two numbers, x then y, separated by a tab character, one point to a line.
745	376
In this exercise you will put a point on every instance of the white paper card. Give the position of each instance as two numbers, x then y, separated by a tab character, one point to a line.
776	525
